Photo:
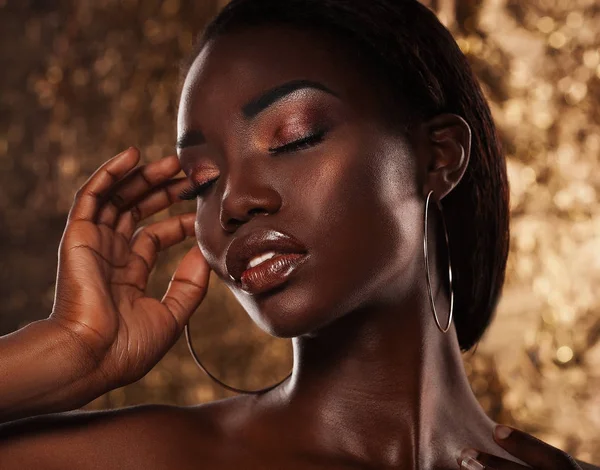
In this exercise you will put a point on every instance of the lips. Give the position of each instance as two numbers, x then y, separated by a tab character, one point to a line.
258	242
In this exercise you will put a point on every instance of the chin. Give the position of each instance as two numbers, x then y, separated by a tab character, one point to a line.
288	311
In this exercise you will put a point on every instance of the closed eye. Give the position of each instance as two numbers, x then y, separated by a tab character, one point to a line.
303	143
196	190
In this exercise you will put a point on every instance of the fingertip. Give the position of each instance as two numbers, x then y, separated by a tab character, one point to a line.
501	432
127	151
126	155
173	161
135	151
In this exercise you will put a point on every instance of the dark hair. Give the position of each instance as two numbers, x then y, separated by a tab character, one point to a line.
425	69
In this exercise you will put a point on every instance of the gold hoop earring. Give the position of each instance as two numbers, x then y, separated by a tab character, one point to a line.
437	321
188	338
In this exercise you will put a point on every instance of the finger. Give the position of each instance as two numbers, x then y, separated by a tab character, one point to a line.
91	195
135	185
469	463
188	286
471	459
150	240
531	450
157	200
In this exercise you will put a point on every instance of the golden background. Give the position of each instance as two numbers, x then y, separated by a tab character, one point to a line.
83	80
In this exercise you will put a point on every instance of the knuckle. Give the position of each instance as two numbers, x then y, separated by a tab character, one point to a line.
182	227
153	238
145	179
171	196
79	193
140	259
114	178
176	307
84	191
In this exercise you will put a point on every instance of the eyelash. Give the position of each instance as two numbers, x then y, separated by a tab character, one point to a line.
305	142
196	189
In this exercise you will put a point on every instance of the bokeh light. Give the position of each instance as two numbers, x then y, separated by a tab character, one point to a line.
86	80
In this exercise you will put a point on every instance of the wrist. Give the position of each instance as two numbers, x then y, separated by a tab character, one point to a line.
44	370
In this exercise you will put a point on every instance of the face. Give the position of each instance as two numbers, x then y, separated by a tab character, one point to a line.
349	194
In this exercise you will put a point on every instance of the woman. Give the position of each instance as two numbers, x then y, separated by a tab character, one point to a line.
322	134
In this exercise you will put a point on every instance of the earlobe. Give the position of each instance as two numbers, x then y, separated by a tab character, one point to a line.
449	137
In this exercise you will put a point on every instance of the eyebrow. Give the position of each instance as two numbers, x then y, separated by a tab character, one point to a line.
256	106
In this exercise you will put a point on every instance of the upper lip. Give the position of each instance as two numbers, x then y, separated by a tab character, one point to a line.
243	249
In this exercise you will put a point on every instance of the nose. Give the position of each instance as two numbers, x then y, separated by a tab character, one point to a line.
245	197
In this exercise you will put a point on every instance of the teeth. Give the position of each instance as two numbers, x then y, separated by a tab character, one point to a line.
259	259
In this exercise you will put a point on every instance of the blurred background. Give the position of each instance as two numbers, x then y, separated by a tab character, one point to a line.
83	80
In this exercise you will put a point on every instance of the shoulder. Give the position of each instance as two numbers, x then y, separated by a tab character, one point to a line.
122	438
73	422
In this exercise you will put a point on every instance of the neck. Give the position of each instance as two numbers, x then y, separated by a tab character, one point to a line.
384	387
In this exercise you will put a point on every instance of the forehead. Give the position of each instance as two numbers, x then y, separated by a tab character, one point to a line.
238	66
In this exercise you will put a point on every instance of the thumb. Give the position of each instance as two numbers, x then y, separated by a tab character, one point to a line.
188	286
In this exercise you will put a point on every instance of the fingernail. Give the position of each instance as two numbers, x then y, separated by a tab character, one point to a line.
502	432
469	463
465	454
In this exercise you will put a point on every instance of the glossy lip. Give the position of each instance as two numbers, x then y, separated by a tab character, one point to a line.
243	249
271	273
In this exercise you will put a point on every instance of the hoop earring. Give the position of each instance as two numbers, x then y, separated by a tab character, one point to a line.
188	338
431	301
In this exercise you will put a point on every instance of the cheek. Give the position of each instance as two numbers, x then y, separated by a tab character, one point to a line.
362	190
396	204
364	211
205	237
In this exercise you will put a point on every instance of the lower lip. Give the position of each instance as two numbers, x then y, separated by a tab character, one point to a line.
271	273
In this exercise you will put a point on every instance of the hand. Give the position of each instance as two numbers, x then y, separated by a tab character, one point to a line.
538	454
104	267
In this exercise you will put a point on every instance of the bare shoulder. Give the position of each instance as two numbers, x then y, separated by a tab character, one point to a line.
146	436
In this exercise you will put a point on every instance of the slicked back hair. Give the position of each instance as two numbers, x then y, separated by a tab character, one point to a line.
420	62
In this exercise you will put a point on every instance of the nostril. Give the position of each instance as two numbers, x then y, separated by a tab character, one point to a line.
257	211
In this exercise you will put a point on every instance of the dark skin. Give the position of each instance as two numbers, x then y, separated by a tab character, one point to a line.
375	383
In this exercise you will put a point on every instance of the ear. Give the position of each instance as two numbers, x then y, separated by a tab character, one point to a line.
448	139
